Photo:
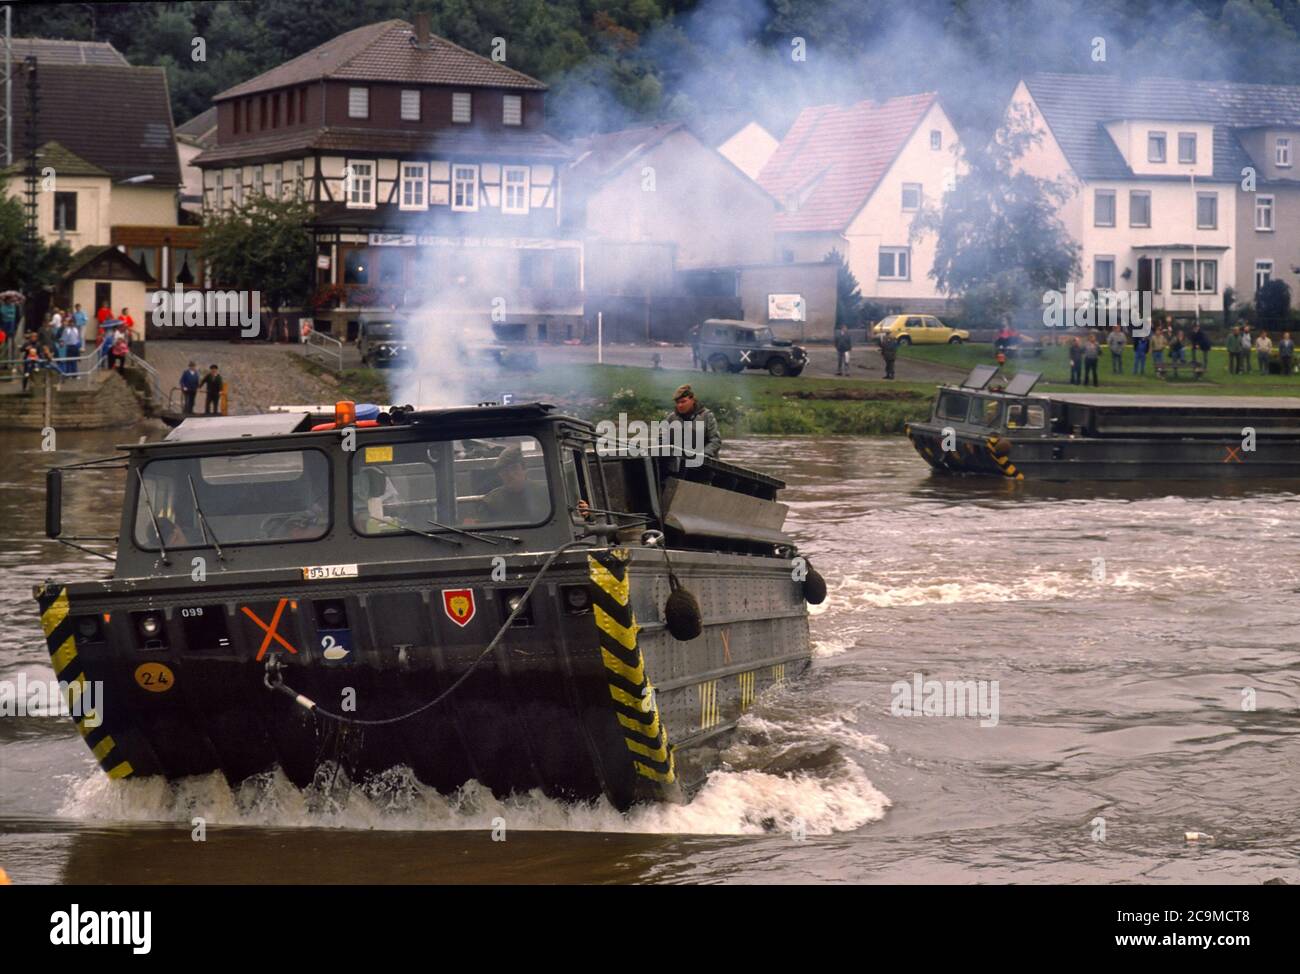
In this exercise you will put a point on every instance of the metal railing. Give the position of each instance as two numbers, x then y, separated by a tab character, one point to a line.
68	369
327	348
159	396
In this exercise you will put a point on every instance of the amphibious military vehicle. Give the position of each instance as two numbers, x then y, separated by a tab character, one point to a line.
986	428
481	593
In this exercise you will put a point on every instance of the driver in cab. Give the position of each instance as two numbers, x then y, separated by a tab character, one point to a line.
518	498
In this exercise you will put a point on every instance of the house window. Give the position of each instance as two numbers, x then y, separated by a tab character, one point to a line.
185	267
1263	213
1282	152
1103	209
1139	208
415	180
1157	275
358	103
1182	270
259	182
936	139
357	265
1186	146
261	111
512	110
147	258
1103	273
298	187
1207	211
290	99
65	211
275	110
219	191
391	265
911	196
895	263
237	188
464	187
461	107
1263	273
1155	147
277	181
410	105
302	104
514	189
362	192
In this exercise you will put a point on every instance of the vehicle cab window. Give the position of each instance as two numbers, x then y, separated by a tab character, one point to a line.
1029	416
953	405
990	412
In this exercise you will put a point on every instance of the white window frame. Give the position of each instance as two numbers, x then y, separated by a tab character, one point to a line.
356	199
407	113
219	190
896	252
414	175
1185	160
524	189
1177	279
1163	138
1264	204
358	101
936	140
299	182
1207	196
1266	266
1157	275
919	196
456	182
1282	152
1096	211
277	181
1139	194
1097	261
237	190
518	115
462	107
259	181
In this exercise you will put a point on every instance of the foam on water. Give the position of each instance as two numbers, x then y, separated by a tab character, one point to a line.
778	776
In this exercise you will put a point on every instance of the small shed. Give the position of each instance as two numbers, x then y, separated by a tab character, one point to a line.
103	273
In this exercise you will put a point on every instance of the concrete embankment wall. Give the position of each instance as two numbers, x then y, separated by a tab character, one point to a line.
100	401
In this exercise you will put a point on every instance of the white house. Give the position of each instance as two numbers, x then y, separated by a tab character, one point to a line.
1154	167
853	178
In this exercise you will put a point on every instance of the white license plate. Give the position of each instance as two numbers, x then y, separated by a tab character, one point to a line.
314	573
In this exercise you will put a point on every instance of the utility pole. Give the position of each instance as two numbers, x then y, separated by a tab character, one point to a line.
30	237
7	96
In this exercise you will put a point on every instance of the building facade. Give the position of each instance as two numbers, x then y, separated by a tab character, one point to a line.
434	187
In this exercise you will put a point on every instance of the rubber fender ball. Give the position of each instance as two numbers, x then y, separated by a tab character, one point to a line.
1001	447
682	615
814	587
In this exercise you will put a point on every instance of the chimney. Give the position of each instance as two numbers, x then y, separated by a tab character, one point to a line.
422	31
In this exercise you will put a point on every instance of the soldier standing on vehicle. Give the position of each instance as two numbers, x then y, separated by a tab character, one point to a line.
888	351
688	410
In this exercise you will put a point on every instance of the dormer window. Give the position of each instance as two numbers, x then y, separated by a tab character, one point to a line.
1187	147
512	110
1282	152
1155	147
410	105
358	103
461	107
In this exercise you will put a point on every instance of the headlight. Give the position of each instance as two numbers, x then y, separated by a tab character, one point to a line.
514	602
150	626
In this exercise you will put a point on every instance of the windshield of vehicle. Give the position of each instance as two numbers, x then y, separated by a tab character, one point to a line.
763	336
496	481
988	413
246	499
382	331
952	405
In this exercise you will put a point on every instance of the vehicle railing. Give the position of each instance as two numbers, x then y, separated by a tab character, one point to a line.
326	347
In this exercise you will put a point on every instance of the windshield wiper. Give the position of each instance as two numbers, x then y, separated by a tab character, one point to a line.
489	538
162	548
414	530
203	521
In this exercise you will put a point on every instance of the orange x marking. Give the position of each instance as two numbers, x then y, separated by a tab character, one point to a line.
726	645
1232	455
269	630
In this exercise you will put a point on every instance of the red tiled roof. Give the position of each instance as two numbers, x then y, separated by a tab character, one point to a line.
834	156
384	52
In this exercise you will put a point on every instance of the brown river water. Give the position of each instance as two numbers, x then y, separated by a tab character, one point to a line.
1142	642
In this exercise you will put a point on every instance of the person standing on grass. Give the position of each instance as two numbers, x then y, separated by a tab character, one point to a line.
1076	361
888	352
1159	342
1286	352
1116	341
1247	346
1140	346
1263	349
1233	347
1091	356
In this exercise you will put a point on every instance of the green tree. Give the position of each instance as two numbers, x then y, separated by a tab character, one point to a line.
51	261
848	294
262	246
1000	240
1273	300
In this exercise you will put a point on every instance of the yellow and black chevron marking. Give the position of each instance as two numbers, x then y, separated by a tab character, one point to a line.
778	674
746	681
634	699
1008	468
709	715
62	643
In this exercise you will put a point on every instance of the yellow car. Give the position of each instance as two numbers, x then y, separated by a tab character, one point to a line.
919	330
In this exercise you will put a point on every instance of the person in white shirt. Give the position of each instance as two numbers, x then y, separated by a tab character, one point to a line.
1263	349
